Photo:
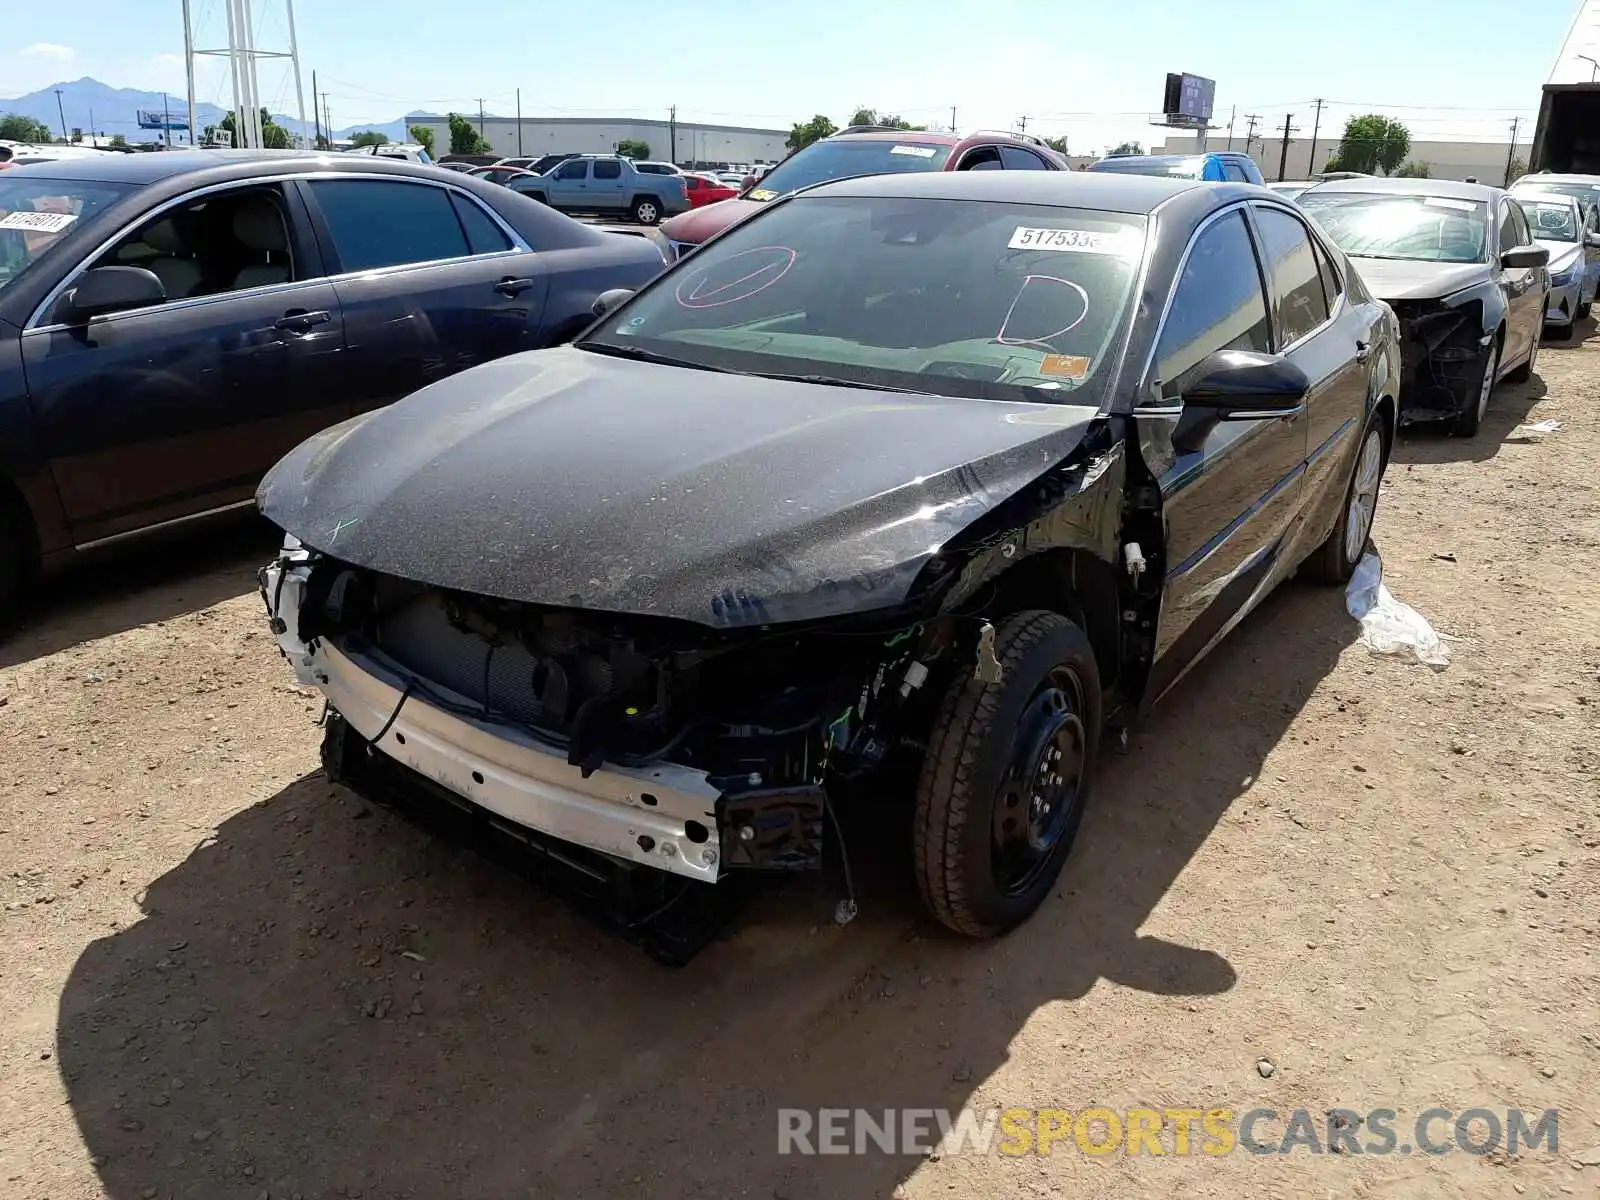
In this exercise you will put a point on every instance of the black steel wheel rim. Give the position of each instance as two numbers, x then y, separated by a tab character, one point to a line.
1038	800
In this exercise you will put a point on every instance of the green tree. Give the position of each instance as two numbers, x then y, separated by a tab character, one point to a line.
1415	170
422	136
814	130
1126	148
273	135
464	136
1370	144
1058	144
1516	171
370	137
869	116
633	148
14	128
118	142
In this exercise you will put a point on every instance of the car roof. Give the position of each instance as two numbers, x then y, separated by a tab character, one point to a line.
1107	191
1535	195
900	135
222	166
1546	177
1444	189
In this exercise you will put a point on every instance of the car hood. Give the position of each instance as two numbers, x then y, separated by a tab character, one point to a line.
1562	255
569	478
1397	279
700	224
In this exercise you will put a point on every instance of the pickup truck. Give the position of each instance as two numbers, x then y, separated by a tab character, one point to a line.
609	185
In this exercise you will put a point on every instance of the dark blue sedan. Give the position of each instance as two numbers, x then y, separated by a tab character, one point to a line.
172	324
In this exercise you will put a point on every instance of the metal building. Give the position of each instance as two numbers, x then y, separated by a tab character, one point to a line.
684	142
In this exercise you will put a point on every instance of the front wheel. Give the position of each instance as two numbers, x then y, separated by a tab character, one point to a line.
1006	777
16	563
1335	560
1466	424
646	211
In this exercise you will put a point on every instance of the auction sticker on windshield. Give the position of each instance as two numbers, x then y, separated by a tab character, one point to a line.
1446	202
763	194
38	222
1121	243
914	151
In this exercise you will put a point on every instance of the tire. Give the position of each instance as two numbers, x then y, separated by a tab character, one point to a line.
1583	311
1525	372
989	748
646	210
1335	560
1466	424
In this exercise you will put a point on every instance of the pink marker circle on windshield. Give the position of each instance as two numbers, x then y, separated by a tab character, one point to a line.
735	278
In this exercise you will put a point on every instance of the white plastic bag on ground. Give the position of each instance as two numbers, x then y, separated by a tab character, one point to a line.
1387	626
1534	432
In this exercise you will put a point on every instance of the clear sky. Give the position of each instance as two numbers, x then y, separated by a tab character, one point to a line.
1461	68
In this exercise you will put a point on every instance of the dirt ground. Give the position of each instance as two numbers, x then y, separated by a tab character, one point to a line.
221	977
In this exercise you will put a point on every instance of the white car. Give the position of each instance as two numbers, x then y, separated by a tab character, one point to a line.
1570	229
402	150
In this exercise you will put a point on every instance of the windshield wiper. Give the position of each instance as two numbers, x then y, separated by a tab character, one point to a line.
832	381
640	354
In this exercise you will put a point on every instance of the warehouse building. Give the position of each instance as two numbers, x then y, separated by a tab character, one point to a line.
683	142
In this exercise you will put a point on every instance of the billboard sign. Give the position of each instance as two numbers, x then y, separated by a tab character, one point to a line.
156	120
1189	98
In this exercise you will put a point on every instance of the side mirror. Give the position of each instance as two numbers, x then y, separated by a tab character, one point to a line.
1243	385
112	289
1591	239
609	299
1525	256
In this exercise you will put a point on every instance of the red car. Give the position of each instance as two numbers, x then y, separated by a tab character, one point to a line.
707	189
864	151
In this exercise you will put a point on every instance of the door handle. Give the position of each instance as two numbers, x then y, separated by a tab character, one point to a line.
513	286
1363	350
298	320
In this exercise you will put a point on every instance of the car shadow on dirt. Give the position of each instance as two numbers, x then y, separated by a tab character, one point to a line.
1432	442
322	1000
140	585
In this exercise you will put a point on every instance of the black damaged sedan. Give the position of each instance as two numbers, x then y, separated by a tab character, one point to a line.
907	486
1461	268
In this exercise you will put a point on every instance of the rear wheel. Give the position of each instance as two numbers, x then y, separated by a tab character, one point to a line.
646	211
1006	777
1335	560
1466	424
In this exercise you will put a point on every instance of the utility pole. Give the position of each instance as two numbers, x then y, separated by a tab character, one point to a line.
1233	113
952	118
166	120
1250	131
1511	154
188	70
480	116
62	113
1283	160
327	120
519	122
92	141
672	128
316	113
1022	125
1311	162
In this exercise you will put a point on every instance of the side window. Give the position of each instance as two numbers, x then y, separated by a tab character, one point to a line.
1233	172
982	158
378	223
1292	270
1509	238
1520	220
223	242
607	168
483	235
1218	304
1014	158
1332	285
578	169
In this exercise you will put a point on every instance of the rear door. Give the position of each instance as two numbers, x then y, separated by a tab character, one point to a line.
606	181
430	282
177	409
1230	490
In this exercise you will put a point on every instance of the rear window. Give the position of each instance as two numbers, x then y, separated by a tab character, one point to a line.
844	158
1169	168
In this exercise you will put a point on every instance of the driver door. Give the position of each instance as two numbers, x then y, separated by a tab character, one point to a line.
1230	490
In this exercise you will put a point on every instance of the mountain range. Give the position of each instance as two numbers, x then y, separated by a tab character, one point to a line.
115	110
